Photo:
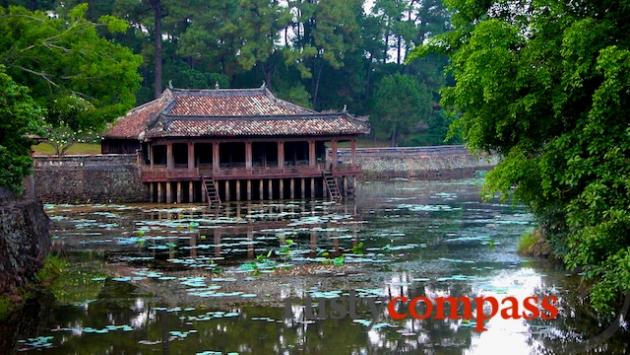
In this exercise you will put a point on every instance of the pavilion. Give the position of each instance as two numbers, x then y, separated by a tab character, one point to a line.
236	144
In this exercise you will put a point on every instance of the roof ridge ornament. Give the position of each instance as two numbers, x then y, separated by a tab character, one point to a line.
216	85
170	84
345	109
264	85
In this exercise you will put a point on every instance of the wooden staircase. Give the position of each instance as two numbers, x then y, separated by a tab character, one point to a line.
331	186
210	189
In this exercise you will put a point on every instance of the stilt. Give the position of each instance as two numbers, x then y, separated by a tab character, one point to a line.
238	190
345	186
151	191
249	190
270	189
281	188
204	198
169	192
191	192
324	188
312	187
292	188
261	189
303	188
179	192
159	192
227	190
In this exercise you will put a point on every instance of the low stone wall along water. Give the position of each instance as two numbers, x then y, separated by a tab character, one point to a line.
425	163
89	178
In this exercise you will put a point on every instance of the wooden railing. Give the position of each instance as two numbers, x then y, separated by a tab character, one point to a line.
162	173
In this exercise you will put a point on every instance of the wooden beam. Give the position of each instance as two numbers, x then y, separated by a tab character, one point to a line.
354	151
215	157
281	154
170	162
248	155
191	156
333	153
312	159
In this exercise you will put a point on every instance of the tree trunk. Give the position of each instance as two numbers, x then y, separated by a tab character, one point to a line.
157	32
398	49
394	137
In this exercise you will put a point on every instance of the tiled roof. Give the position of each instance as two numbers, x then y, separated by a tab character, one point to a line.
230	112
132	125
312	125
238	102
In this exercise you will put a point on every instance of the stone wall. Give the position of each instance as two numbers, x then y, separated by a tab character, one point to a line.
89	178
24	241
430	163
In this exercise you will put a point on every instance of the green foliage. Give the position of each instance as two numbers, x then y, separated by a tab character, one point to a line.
68	283
526	242
401	103
548	86
65	59
19	117
320	54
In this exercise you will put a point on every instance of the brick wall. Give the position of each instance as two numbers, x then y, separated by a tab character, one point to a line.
438	162
89	178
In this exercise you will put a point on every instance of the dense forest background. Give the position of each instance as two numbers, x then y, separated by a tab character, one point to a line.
322	54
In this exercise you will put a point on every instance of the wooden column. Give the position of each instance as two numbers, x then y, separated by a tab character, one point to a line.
159	192
179	192
261	187
345	186
191	156
312	187
170	162
249	190
238	190
333	153
303	188
270	189
203	193
169	192
312	159
280	155
227	190
354	151
215	157
292	188
191	192
150	147
324	194
151	191
281	189
248	155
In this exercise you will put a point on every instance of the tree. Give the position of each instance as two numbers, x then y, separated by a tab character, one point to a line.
19	117
63	58
400	104
547	86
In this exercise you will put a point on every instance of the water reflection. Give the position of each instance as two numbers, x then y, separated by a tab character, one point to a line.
185	280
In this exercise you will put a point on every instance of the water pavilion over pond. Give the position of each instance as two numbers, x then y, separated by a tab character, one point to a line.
236	144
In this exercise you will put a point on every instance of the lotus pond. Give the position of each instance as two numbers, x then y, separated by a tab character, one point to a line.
184	279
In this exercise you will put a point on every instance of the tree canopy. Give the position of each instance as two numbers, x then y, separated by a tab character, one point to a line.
80	77
546	84
20	117
325	54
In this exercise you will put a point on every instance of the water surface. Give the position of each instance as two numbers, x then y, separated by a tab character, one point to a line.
186	280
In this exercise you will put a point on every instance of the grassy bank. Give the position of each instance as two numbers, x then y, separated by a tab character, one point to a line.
79	148
67	282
